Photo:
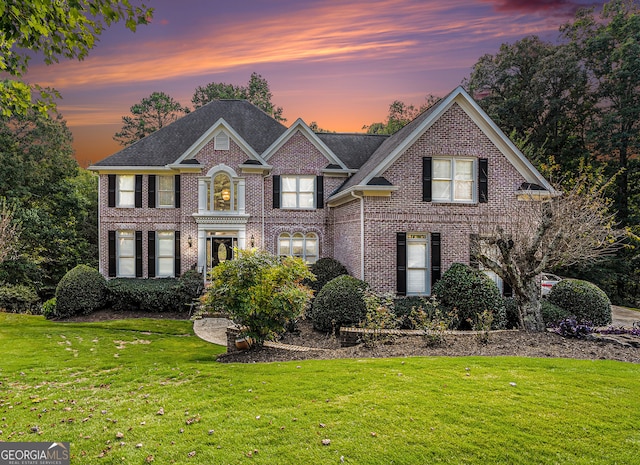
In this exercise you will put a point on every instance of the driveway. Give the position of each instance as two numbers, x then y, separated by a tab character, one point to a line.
624	317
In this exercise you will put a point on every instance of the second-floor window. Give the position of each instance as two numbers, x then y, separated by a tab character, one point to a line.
125	193
222	193
297	192
453	180
166	191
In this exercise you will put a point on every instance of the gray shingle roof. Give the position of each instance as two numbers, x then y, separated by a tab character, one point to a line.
166	145
353	149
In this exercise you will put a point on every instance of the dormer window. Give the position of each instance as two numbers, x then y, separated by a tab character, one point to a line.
221	141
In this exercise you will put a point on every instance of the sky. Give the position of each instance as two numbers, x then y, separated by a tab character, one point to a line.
338	63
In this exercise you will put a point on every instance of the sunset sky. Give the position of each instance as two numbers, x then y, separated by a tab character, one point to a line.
339	63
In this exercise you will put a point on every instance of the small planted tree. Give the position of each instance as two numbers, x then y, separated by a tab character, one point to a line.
261	292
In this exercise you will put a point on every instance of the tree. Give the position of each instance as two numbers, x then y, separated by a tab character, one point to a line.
574	227
9	231
609	47
400	114
56	30
152	113
256	91
537	92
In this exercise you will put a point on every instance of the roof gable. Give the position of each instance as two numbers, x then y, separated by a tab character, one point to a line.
247	123
392	148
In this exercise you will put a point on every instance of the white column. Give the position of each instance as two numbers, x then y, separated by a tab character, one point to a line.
241	193
202	249
202	195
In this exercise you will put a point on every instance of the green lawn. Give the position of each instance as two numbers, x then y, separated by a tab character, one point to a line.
85	383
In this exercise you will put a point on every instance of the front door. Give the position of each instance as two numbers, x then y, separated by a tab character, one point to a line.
221	250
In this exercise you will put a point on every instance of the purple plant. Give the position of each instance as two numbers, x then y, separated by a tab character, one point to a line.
571	327
635	331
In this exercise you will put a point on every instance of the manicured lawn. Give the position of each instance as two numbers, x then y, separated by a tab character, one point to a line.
85	383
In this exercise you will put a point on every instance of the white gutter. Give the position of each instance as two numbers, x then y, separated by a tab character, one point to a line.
361	233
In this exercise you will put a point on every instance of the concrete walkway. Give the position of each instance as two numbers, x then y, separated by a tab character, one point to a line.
214	330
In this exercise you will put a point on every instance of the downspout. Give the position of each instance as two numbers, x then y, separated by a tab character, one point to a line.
262	241
353	194
99	225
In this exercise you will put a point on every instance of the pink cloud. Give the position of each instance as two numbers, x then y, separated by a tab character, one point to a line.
556	7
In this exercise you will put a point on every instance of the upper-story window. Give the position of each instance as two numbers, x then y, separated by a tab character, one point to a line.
453	180
221	191
298	191
166	191
125	192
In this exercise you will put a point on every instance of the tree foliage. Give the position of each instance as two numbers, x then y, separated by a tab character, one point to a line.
400	114
55	201
56	30
576	226
9	231
256	91
150	114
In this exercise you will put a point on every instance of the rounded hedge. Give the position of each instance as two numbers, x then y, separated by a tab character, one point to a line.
339	303
552	314
82	290
325	270
470	292
582	299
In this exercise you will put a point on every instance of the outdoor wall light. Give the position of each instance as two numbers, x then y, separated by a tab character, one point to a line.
190	241
252	242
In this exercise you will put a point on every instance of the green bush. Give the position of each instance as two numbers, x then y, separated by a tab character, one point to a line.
82	290
146	295
403	306
511	312
324	270
552	314
582	299
261	292
190	286
49	308
339	303
16	298
470	292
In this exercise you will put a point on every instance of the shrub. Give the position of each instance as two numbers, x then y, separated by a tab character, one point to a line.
570	327
190	286
586	301
147	295
552	314
17	298
324	270
379	317
511	312
82	290
49	308
403	306
433	323
261	292
470	292
339	303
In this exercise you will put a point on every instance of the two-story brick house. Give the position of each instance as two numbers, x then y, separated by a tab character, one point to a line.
395	210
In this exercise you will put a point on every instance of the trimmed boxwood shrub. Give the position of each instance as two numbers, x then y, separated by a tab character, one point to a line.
470	292
82	290
16	298
324	270
552	314
49	308
339	303
582	299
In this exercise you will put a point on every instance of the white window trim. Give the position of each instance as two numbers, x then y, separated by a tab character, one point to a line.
305	237
119	203
221	141
425	239
130	235
172	191
172	256
298	177
205	192
451	180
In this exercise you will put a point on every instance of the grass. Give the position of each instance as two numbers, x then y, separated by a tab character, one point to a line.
87	382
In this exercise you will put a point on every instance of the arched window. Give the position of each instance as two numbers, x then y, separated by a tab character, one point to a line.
299	245
221	192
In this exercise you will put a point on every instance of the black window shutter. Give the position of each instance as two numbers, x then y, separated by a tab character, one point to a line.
276	191
507	290
483	180
426	179
111	185
138	195
176	186
435	258
112	254
138	254
152	191
319	191
177	258
151	259
473	259
401	263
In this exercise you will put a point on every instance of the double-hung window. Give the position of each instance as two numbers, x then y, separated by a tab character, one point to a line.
417	264
126	264
125	193
300	245
453	180
166	191
165	254
298	192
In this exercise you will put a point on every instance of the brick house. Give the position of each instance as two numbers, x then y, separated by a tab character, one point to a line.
395	210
